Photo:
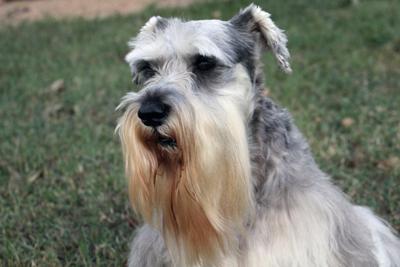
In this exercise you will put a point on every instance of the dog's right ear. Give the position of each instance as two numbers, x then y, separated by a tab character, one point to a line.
255	21
153	25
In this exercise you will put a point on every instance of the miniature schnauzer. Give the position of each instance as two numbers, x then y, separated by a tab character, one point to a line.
219	173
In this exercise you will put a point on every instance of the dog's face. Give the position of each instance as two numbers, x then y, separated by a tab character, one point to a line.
184	133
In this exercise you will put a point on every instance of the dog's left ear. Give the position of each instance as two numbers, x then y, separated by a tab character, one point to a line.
256	21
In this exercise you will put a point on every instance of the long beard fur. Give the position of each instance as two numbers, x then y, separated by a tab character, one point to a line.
190	179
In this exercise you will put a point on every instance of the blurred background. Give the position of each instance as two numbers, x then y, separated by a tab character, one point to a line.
63	195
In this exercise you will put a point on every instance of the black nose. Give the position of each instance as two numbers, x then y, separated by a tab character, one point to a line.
153	112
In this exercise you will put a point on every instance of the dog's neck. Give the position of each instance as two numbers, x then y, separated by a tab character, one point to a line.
272	135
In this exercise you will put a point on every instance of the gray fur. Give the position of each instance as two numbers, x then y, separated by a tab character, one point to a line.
286	180
148	249
285	172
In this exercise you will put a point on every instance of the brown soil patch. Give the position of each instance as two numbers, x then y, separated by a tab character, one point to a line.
12	11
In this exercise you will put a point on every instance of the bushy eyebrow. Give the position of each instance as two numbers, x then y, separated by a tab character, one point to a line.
139	64
152	53
213	52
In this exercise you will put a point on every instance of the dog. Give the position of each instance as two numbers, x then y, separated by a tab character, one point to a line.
219	173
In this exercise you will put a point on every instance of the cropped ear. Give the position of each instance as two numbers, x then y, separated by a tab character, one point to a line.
254	20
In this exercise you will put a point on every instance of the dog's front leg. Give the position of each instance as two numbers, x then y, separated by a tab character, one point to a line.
148	249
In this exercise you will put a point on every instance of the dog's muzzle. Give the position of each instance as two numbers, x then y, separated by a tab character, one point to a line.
153	112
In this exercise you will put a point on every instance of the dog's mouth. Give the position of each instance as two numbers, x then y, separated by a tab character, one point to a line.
163	140
166	141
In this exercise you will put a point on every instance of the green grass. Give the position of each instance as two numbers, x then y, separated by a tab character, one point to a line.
63	199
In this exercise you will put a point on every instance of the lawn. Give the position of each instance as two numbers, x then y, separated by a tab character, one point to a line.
63	196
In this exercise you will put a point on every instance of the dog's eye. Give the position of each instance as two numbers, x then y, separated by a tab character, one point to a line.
145	70
204	63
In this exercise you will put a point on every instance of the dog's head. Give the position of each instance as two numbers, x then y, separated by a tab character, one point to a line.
184	134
